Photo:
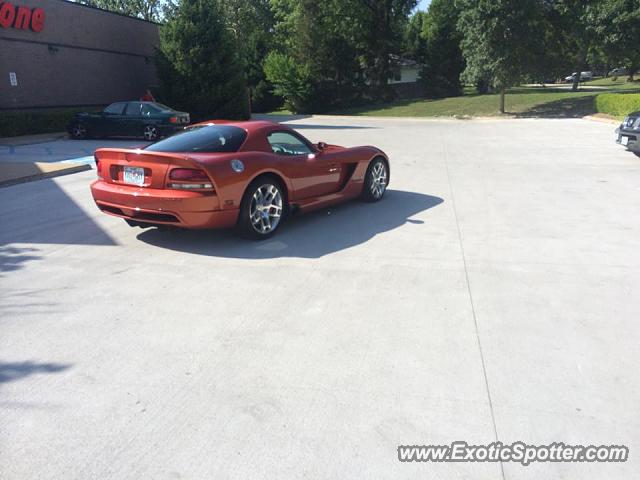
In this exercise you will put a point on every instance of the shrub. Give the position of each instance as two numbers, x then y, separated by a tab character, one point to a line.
290	79
618	104
13	124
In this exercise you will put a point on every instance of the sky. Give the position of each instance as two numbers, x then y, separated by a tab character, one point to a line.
423	4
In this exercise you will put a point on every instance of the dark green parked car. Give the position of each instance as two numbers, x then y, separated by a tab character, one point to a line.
150	120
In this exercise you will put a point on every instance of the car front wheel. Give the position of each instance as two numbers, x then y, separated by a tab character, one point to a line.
262	209
375	180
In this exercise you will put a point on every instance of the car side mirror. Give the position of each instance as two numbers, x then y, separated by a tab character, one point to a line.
321	146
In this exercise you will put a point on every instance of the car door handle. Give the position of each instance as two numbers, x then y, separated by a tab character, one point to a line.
334	168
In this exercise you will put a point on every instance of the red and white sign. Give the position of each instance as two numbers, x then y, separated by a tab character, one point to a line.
23	18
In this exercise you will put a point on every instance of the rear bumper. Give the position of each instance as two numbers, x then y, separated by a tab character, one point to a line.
162	207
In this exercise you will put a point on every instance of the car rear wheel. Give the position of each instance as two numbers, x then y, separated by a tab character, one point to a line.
78	131
262	209
150	132
375	180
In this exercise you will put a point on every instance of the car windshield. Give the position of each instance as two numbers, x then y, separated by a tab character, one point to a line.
210	139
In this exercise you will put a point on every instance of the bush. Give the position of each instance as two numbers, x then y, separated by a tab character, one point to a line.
13	124
290	79
199	66
618	104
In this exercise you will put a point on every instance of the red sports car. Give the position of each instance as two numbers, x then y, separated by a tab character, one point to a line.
247	175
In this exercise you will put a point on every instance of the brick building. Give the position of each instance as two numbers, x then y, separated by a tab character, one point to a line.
56	53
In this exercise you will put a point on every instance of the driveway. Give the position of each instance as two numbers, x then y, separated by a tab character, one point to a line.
493	295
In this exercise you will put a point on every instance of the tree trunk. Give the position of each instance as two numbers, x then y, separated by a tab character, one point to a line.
502	94
576	82
580	66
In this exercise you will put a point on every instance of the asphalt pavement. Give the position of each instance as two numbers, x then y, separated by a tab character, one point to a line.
492	295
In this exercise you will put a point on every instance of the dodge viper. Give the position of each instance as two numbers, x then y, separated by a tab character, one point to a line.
244	175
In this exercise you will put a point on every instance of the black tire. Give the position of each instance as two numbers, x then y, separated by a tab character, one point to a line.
150	133
254	217
637	154
375	180
78	131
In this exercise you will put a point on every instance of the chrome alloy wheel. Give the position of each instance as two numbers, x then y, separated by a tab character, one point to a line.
150	132
265	211
378	179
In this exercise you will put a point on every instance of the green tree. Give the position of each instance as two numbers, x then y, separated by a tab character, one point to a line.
380	25
443	60
617	27
415	45
252	23
199	63
292	81
576	22
552	49
498	38
145	9
315	67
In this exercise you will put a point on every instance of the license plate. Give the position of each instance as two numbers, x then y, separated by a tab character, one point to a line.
134	175
624	141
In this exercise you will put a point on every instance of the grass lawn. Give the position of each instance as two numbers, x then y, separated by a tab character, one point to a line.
556	101
619	84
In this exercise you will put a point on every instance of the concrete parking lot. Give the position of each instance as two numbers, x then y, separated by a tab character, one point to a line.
57	147
493	295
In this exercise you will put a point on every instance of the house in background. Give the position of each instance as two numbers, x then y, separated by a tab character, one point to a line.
405	82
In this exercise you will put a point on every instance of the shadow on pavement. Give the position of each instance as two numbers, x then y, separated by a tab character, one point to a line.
302	126
12	371
41	212
576	107
307	236
278	118
12	258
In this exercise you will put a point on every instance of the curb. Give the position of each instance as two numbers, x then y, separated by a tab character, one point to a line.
603	119
39	138
458	118
25	172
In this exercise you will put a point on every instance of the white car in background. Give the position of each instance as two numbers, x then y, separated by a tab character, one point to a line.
618	71
584	77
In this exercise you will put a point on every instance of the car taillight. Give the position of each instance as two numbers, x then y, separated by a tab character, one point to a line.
173	119
98	172
189	179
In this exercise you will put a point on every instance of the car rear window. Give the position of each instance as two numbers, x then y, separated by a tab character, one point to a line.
162	107
210	139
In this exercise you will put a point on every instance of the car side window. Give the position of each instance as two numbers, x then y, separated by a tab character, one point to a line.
148	110
115	108
133	109
284	143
